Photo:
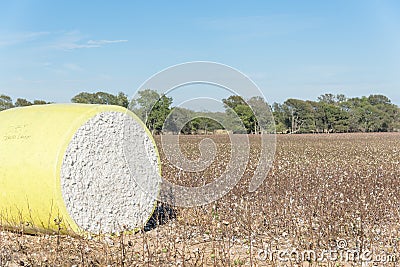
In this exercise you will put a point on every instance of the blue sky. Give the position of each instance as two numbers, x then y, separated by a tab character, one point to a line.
53	50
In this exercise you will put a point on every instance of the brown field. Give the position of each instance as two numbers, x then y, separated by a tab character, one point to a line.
336	192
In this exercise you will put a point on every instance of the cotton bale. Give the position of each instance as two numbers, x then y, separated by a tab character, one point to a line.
64	168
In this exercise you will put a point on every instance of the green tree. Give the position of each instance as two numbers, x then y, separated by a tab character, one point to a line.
247	117
5	102
337	113
379	100
122	100
327	98
40	102
332	99
22	102
186	121
336	119
375	113
233	101
85	98
158	114
213	120
179	120
143	104
236	105
264	120
320	120
388	112
101	98
280	118
299	116
204	125
153	109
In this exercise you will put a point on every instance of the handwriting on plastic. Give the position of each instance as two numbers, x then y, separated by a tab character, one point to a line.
16	132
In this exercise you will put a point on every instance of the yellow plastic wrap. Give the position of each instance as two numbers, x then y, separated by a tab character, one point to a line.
33	141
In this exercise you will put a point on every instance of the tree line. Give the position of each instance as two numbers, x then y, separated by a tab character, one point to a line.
6	102
328	114
337	114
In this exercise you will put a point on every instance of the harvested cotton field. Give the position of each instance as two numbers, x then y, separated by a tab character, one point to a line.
333	192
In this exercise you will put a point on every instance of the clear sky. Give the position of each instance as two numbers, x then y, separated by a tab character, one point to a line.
52	50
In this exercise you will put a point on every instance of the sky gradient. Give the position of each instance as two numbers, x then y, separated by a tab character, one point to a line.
291	49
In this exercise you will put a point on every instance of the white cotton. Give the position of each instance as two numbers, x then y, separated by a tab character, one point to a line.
109	174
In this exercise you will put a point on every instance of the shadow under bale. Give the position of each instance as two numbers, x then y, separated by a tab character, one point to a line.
162	214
